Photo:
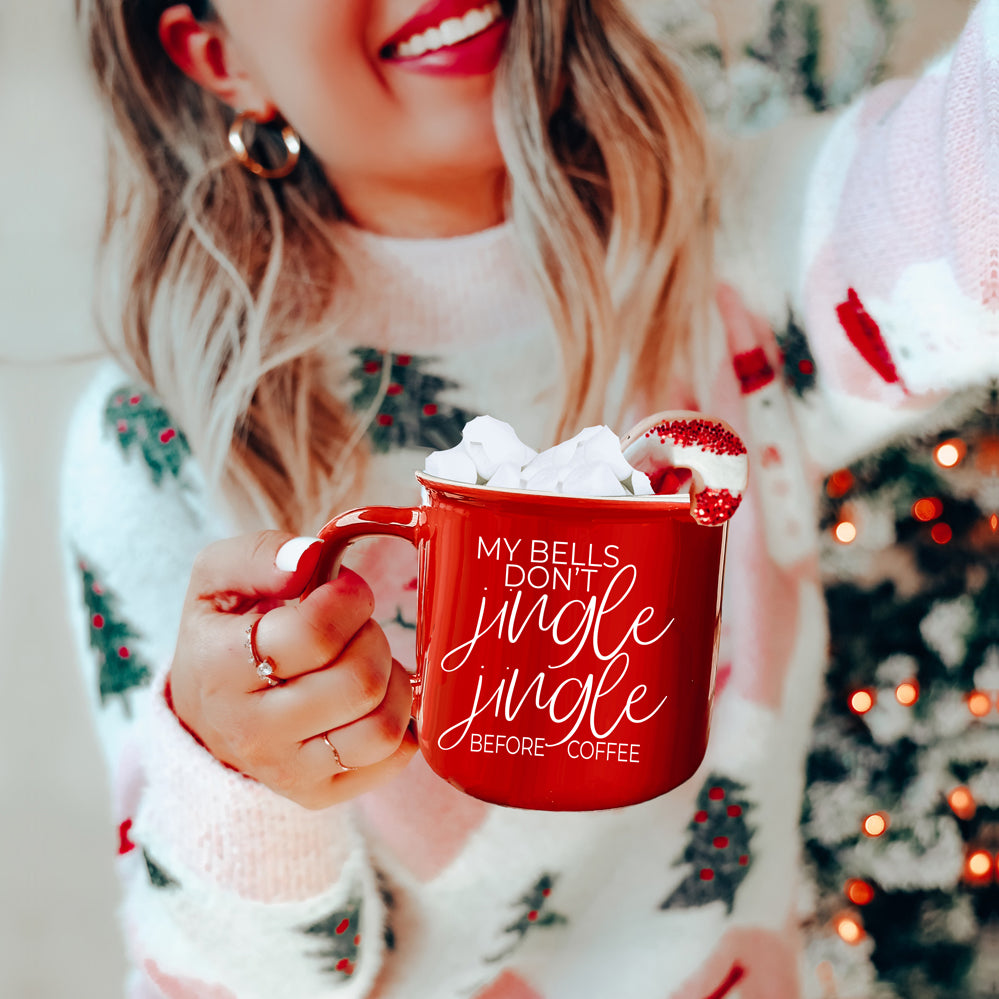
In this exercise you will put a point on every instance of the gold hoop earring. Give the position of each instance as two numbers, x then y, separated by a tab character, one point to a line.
290	138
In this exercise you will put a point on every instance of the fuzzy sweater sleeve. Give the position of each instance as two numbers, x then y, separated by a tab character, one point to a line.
229	889
901	230
874	233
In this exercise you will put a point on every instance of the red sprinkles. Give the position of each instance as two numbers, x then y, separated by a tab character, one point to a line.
715	506
704	434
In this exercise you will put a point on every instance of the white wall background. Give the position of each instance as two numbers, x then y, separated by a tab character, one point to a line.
58	937
57	892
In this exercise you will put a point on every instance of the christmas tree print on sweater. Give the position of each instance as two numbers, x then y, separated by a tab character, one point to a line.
120	669
410	410
158	877
535	913
718	847
139	422
799	365
340	933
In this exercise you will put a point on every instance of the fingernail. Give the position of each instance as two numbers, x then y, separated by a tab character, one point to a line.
290	554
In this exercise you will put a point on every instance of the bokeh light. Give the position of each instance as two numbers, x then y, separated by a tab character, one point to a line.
950	453
849	929
962	803
861	701
859	892
927	509
941	533
845	532
978	866
979	703
876	824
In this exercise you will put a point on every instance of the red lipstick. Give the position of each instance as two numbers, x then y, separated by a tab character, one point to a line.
474	55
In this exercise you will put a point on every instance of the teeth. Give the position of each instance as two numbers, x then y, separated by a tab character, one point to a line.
450	31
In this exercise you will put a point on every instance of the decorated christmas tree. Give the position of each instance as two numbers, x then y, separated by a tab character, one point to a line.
340	935
120	669
717	851
405	401
141	424
535	912
901	816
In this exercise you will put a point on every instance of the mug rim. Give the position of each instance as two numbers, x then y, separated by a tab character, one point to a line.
475	491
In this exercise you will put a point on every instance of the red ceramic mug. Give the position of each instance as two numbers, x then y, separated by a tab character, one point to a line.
566	647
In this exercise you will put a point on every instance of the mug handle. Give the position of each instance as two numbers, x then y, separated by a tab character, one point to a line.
342	530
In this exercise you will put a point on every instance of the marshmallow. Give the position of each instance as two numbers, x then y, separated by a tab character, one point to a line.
506	476
589	464
453	464
491	443
641	485
604	446
593	480
545	480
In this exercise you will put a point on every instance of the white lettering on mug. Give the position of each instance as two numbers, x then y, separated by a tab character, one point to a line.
601	699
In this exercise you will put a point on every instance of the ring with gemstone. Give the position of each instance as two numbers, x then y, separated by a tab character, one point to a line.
264	665
336	756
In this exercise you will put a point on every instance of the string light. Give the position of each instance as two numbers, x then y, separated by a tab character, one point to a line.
950	453
907	693
850	929
875	825
941	533
839	483
962	803
994	522
845	532
859	892
978	866
927	509
861	701
979	703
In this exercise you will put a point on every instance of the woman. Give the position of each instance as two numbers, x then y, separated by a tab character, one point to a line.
497	209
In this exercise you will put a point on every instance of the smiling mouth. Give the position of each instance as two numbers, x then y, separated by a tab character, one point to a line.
450	31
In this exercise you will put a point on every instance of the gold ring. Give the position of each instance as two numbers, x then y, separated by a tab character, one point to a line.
264	665
336	756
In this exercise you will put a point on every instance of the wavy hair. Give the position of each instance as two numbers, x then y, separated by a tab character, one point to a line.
228	290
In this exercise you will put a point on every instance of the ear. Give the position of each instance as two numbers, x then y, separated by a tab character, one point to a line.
202	51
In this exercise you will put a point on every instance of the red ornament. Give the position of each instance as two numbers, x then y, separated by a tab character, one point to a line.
716	793
707	874
167	435
98	621
385	420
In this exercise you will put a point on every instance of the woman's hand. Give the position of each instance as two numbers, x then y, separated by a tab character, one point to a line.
334	675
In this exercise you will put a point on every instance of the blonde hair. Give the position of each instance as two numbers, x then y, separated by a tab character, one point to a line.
223	284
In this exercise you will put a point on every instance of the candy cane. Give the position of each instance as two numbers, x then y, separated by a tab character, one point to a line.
709	448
